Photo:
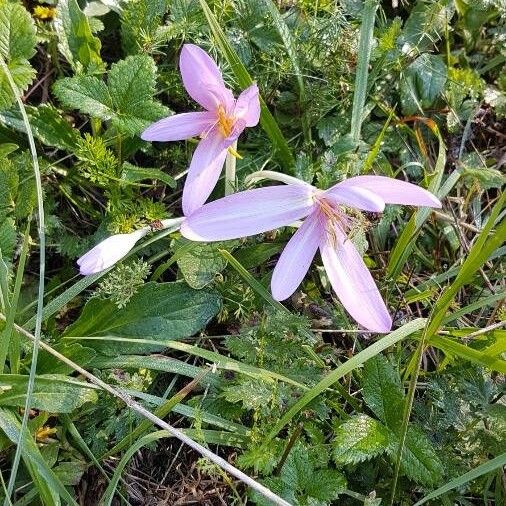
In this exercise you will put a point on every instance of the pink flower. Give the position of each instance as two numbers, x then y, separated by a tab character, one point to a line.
219	125
328	220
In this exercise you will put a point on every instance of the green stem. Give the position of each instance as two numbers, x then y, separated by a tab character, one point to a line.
364	54
42	269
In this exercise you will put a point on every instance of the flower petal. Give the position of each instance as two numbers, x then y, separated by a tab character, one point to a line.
179	127
247	106
249	212
111	250
297	256
354	284
393	191
204	172
203	80
357	197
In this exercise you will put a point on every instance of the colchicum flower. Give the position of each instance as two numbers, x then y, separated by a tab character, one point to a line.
330	216
218	126
111	250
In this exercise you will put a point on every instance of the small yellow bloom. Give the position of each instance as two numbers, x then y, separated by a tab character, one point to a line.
44	433
44	13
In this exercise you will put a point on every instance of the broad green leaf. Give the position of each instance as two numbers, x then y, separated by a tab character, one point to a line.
134	174
132	84
423	81
48	364
419	461
17	46
126	100
201	263
48	126
75	38
52	392
32	457
87	93
382	391
158	311
359	438
8	236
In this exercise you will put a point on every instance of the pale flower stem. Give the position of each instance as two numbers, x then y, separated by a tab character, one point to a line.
230	163
274	176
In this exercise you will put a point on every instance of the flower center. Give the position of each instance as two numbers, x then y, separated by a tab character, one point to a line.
225	123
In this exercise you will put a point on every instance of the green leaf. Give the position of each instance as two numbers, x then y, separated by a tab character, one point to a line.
48	364
48	126
7	237
200	265
87	93
382	391
359	438
133	174
17	46
17	32
76	40
53	392
127	99
158	311
419	461
423	81
131	84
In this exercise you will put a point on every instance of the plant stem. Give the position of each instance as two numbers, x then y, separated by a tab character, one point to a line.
42	269
230	164
364	54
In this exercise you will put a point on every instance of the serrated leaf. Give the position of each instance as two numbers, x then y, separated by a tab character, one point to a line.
48	126
200	265
17	45
382	391
359	438
17	32
133	174
75	38
88	94
158	311
423	81
126	100
7	237
325	485
253	393
419	461
52	392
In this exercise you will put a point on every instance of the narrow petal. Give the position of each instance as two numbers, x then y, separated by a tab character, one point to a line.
179	127
204	171
247	106
203	80
393	191
111	250
357	197
297	256
249	212
354	284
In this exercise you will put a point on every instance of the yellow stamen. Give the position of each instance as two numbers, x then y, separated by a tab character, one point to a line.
225	123
233	152
44	432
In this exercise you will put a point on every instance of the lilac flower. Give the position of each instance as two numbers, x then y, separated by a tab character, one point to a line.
330	216
219	125
111	250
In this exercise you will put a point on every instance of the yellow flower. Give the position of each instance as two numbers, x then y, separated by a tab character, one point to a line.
43	12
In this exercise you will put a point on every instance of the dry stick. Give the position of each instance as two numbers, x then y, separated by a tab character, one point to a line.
131	403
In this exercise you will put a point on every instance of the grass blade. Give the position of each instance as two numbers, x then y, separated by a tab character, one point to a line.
496	463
